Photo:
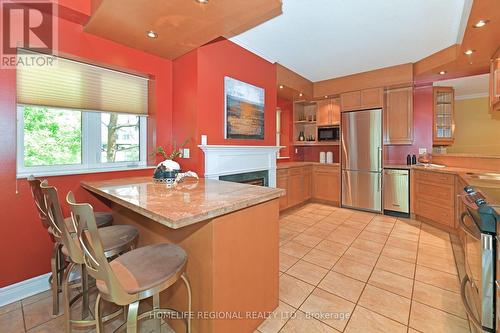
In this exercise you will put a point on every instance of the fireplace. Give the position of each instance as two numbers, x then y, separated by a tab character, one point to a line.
260	178
244	164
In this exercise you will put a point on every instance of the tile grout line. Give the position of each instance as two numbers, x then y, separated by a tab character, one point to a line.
414	275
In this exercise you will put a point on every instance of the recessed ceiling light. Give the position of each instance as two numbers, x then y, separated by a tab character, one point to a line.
281	86
442	73
469	51
202	1
326	96
152	34
300	94
481	23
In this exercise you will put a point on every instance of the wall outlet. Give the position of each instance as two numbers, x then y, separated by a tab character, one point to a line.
185	153
422	151
204	140
296	151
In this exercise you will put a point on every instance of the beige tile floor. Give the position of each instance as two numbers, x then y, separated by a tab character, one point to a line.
340	271
348	271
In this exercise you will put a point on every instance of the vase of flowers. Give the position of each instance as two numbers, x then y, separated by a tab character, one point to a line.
168	168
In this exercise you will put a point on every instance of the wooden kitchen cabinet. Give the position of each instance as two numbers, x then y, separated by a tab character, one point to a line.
307	194
362	99
495	83
435	198
398	116
282	182
460	209
326	183
328	112
444	114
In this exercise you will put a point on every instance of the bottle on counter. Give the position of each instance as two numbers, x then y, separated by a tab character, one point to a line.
329	157
414	159
408	159
301	136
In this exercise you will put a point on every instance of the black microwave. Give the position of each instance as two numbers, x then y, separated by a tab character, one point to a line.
329	133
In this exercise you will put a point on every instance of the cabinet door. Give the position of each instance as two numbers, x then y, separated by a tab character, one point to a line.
495	85
372	98
398	117
335	112
444	104
326	184
306	195
296	187
350	101
282	182
323	115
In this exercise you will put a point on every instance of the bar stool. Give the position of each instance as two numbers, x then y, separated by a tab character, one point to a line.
56	262
117	239
133	276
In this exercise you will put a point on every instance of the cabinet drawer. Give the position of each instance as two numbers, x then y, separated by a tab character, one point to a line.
437	213
282	173
438	193
435	177
327	169
295	171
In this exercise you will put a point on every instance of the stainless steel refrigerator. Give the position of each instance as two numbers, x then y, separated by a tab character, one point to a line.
362	160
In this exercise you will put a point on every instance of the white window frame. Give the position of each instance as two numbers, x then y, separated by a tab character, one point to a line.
91	142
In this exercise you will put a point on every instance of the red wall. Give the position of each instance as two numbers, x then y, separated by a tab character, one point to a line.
25	246
198	97
422	126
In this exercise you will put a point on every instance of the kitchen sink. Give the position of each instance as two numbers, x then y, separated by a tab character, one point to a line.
484	176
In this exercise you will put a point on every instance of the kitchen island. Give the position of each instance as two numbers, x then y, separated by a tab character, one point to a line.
230	232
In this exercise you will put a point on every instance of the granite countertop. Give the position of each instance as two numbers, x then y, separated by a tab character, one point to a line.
287	165
187	203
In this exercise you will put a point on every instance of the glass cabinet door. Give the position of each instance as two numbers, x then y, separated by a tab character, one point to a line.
444	124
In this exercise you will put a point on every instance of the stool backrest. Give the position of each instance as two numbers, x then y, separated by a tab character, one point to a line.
39	201
93	251
65	233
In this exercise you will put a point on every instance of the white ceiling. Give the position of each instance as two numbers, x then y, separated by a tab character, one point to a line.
323	39
468	87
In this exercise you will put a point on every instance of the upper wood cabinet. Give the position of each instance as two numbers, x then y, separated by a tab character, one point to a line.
398	116
362	99
328	112
444	123
495	84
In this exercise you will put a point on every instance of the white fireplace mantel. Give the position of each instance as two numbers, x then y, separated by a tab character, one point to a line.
222	160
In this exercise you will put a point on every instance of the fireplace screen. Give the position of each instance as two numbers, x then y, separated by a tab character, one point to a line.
260	178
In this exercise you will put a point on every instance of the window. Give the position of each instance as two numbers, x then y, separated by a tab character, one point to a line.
55	141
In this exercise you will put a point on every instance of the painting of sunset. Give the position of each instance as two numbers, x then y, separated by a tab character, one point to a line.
244	108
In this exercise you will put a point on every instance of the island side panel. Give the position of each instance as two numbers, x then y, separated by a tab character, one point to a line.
197	241
246	265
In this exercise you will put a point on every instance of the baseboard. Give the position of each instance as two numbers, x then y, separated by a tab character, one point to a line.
23	289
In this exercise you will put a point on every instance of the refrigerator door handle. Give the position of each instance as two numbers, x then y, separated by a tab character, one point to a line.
379	158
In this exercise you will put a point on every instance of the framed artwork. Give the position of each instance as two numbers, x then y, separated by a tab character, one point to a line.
244	110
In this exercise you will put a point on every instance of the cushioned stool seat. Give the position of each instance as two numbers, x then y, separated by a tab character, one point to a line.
146	267
115	237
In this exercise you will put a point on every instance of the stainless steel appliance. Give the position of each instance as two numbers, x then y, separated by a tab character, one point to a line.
477	287
331	133
362	160
397	192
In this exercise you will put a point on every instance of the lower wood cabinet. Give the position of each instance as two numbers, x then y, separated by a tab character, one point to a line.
435	198
317	182
326	183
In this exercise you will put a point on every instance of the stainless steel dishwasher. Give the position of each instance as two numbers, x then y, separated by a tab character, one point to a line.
397	192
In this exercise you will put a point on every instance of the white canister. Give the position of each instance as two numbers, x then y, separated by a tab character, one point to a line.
329	157
322	157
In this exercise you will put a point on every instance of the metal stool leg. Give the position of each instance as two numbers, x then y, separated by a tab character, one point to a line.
85	291
188	287
156	313
98	322
132	317
66	296
54	264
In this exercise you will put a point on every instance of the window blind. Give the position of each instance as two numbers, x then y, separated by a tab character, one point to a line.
76	85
